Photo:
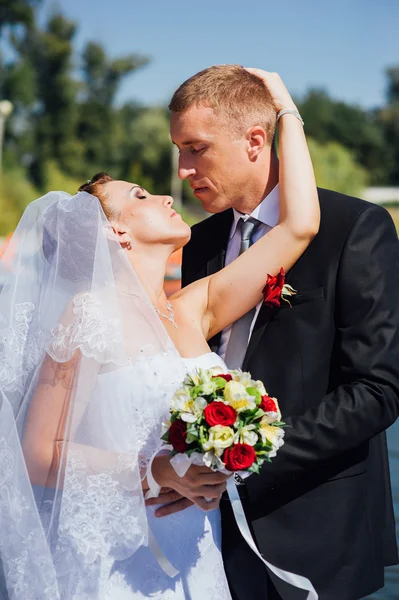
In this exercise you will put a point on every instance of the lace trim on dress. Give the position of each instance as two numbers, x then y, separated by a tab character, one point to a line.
26	561
95	335
17	358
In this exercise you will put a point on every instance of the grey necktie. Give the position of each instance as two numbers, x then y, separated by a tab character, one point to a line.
237	344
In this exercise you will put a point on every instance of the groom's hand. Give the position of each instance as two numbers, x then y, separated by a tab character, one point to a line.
171	501
198	483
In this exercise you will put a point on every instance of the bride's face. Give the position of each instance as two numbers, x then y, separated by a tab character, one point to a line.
146	218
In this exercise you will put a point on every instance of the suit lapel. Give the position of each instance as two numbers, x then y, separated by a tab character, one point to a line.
259	329
216	263
264	316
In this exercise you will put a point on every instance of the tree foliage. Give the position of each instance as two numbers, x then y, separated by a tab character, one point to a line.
67	123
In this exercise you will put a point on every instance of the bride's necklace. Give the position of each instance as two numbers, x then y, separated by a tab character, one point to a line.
170	316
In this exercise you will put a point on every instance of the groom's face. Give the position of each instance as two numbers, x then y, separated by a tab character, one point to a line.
216	165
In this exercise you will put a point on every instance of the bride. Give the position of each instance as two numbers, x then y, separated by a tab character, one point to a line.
91	352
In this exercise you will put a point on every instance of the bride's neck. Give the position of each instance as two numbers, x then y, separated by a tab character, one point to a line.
150	267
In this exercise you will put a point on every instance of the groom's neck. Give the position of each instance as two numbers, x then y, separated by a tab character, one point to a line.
260	187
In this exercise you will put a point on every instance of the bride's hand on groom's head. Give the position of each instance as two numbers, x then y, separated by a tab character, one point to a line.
196	485
280	95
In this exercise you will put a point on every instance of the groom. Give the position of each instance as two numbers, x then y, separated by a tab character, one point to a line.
323	507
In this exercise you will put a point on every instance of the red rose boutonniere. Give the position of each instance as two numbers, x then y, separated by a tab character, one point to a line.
277	290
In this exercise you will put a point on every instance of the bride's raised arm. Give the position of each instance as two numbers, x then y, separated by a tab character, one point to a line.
237	288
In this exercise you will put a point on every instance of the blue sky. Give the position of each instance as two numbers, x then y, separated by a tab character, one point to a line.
342	46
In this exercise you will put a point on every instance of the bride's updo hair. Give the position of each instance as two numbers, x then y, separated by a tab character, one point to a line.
95	187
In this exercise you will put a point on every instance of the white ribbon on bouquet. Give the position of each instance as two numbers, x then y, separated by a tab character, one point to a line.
297	581
181	463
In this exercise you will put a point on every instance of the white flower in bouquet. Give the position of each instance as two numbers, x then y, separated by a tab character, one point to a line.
193	410
180	400
258	385
219	437
247	435
215	371
201	377
275	435
213	461
242	377
190	410
208	388
236	395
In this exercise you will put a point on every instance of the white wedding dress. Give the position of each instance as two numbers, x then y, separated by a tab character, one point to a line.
190	539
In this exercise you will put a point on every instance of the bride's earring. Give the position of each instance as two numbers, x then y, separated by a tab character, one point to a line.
129	246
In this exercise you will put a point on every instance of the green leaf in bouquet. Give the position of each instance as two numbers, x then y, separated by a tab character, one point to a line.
252	391
202	437
192	429
263	446
254	468
165	436
268	445
280	424
248	416
259	414
173	453
195	391
174	417
220	382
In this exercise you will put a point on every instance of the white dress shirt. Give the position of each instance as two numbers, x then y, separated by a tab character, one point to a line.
267	212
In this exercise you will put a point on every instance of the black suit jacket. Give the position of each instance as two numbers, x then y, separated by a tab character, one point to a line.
323	507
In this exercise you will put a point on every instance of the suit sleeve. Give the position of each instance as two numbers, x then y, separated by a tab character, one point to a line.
367	340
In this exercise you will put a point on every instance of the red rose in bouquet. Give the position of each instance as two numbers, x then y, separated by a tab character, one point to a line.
268	404
218	413
273	289
177	436
239	457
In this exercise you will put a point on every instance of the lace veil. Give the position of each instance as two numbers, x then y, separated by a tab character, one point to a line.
72	310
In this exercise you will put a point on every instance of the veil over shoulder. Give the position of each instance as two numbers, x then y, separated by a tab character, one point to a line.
72	310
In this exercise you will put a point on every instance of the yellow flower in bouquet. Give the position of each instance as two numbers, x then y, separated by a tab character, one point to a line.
236	395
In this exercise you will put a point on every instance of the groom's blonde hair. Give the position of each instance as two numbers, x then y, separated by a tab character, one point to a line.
239	98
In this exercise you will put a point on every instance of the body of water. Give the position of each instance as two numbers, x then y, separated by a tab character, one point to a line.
391	588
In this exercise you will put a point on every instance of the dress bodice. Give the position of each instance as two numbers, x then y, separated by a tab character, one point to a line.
140	393
190	539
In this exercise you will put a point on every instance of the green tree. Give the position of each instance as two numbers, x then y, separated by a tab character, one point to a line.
17	12
393	85
15	194
388	119
40	83
100	122
354	128
148	144
336	168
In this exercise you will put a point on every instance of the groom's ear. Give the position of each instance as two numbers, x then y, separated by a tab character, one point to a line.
256	137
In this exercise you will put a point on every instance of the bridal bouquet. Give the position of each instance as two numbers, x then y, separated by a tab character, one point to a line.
225	420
